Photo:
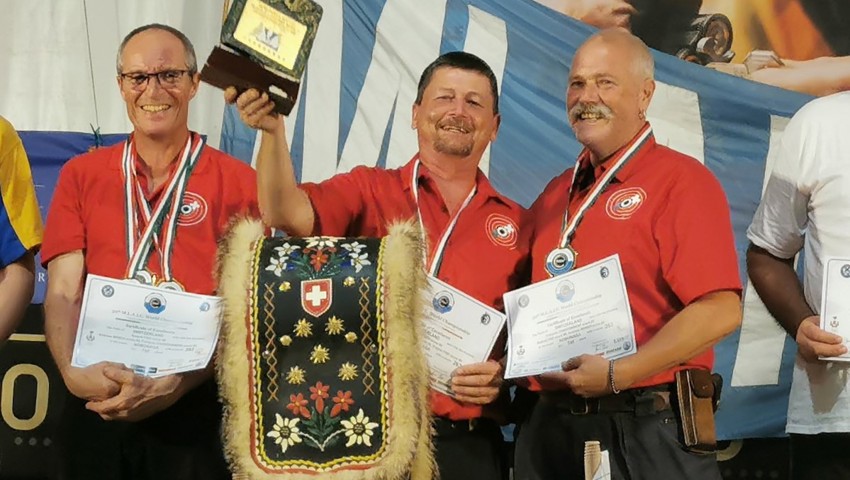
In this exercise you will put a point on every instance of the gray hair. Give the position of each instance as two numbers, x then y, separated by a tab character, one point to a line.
188	48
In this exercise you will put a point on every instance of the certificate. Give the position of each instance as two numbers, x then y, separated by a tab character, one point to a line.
835	302
152	331
585	311
458	330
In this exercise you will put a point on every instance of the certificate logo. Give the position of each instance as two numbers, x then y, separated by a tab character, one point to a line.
603	272
107	291
443	302
845	271
624	203
205	307
316	296
485	319
90	336
520	351
565	291
834	322
155	303
523	301
627	346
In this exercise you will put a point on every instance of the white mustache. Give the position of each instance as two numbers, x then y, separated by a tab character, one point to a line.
598	110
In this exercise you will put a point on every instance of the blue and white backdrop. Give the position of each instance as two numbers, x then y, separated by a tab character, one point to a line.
355	109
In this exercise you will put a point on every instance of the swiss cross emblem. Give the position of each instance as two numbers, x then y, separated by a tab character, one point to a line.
316	296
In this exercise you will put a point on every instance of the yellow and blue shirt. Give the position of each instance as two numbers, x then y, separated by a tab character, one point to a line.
20	220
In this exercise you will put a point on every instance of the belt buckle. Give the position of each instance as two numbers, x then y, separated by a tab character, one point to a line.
585	404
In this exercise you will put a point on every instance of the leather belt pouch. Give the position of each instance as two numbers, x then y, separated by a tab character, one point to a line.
695	392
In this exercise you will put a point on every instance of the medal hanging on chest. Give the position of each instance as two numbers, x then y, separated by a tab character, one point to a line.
562	259
150	227
433	267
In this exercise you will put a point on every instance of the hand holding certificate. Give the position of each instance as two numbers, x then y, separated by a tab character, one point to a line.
154	332
458	330
585	311
835	302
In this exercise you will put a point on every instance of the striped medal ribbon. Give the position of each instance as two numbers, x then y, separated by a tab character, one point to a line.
433	267
563	258
149	227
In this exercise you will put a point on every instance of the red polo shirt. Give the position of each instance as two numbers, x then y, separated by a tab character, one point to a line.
667	217
484	256
87	213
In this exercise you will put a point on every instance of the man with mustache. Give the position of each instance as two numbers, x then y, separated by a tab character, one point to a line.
667	218
456	115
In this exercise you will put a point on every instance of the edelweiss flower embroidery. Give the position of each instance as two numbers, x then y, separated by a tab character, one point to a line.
303	328
321	242
348	371
285	250
276	265
296	376
334	326
285	432
359	261
359	430
354	246
319	354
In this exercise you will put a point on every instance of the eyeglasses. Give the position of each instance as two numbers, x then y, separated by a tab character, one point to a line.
167	78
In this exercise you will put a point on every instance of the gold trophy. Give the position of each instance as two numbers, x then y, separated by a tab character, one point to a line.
264	45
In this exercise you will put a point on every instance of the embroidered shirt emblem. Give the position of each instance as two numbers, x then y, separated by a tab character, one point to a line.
193	210
501	230
624	203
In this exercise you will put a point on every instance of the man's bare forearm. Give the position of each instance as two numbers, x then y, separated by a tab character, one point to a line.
62	306
779	288
692	331
282	203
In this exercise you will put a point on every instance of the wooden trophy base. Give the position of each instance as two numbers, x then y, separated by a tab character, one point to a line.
227	69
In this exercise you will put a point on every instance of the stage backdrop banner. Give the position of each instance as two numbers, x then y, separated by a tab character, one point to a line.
355	109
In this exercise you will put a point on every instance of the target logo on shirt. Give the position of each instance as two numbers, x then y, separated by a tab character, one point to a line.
624	203
501	230
193	210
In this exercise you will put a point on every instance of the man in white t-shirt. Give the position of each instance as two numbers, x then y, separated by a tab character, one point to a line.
807	203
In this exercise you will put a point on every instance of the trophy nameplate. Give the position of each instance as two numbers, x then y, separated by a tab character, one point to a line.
265	45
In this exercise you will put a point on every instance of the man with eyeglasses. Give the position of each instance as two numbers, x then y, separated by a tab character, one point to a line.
109	205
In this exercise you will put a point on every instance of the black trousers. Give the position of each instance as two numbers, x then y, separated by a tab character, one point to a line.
182	442
825	456
464	454
550	446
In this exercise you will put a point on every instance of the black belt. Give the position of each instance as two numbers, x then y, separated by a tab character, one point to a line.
639	401
444	426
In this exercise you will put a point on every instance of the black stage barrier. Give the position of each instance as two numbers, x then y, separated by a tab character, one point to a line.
32	396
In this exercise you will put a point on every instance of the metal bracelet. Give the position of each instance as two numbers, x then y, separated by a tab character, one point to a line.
611	377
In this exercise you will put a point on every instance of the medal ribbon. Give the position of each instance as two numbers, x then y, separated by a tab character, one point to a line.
571	224
434	266
165	212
